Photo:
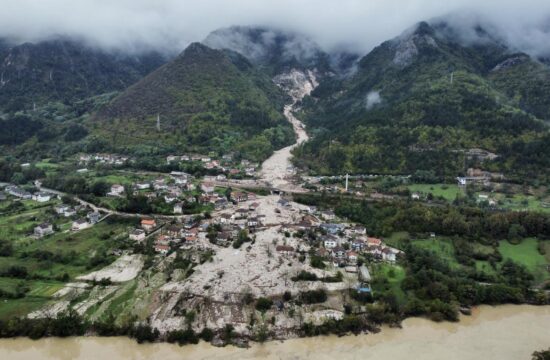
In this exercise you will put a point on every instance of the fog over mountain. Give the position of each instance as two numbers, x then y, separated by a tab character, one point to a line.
170	25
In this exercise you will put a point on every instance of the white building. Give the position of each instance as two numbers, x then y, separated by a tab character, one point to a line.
116	190
42	197
137	235
43	230
80	224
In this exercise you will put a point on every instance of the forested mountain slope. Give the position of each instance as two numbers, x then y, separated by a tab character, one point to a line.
420	101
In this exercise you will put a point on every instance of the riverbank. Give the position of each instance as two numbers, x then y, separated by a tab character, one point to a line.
505	332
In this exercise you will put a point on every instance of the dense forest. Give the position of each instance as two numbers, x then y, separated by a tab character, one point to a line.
418	102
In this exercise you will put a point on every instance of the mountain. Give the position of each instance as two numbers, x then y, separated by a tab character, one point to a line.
65	70
204	99
421	100
277	51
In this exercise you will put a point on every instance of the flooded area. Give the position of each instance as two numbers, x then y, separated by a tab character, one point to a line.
504	333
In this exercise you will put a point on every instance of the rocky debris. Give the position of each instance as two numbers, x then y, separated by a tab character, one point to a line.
125	268
510	62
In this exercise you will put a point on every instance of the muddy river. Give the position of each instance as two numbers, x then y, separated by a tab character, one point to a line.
506	332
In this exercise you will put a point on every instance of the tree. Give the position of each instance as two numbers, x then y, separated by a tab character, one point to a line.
541	355
263	304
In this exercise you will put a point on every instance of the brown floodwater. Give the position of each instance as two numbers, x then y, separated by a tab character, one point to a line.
504	332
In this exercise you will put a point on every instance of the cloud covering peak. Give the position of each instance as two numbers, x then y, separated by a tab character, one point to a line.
169	25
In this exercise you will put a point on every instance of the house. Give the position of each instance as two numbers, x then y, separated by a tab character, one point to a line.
43	230
80	224
18	192
172	231
415	196
284	250
178	208
142	186
328	214
162	249
160	184
221	177
148	224
137	235
351	257
253	206
226	219
333	228
171	159
170	198
253	222
69	212
207	187
389	254
223	238
239	196
330	242
358	245
220	203
371	241
116	190
359	230
338	252
41	197
93	217
283	203
61	209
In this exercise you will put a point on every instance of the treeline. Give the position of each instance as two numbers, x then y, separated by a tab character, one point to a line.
384	218
70	323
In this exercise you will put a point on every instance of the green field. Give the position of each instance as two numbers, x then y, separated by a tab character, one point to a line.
526	253
521	202
447	191
50	261
395	275
443	247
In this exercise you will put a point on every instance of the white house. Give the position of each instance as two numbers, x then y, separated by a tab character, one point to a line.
42	197
116	190
80	224
43	230
207	187
137	235
178	208
143	186
330	243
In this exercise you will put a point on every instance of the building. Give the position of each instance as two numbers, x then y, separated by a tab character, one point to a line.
18	192
116	190
142	186
239	196
178	208
61	209
137	235
371	241
148	224
93	217
330	242
42	197
352	257
207	187
328	215
284	250
80	224
43	230
162	249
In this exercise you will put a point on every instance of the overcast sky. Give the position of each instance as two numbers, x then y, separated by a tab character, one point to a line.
172	24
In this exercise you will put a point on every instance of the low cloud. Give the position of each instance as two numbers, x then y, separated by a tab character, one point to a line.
373	98
169	25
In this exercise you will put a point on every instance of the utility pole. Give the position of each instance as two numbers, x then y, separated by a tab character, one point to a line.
347	182
158	122
452	77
